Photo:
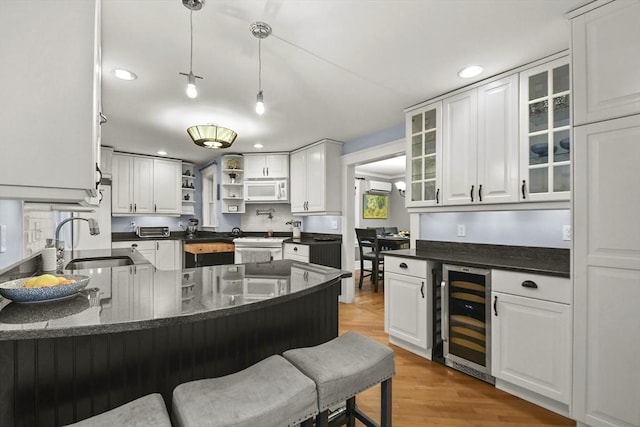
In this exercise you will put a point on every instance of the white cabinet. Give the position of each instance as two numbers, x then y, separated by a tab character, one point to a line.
106	161
50	116
605	44
531	331
315	173
424	156
144	185
407	304
480	144
296	252
258	166
606	202
607	273
162	254
233	184
545	132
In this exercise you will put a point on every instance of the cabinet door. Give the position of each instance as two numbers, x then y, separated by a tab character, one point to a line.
460	140
605	44
142	185
167	194
545	132
121	293
531	345
167	254
607	273
277	165
48	129
406	302
255	166
424	156
498	141
316	178
298	181
122	184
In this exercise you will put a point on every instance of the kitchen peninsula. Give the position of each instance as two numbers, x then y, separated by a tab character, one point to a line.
145	330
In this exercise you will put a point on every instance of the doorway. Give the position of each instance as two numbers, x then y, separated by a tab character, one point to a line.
349	163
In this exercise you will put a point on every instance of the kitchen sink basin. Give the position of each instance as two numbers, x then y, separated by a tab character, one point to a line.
99	262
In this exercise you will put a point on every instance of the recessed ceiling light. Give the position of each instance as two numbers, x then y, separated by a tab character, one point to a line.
123	74
162	152
258	145
470	71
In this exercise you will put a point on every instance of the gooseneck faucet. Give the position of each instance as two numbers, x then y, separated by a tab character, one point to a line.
94	230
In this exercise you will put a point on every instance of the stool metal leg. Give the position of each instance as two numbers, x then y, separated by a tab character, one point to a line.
322	419
351	405
385	399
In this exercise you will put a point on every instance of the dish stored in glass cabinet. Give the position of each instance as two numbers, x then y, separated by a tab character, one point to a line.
466	320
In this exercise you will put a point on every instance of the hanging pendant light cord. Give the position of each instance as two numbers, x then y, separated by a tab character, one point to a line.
191	52
259	65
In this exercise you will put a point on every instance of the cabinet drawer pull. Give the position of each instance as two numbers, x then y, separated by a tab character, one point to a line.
524	184
495	305
130	207
99	173
135	207
438	196
295	249
471	193
403	265
422	290
529	284
480	192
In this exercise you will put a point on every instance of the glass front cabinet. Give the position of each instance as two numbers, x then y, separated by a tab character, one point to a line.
424	159
545	132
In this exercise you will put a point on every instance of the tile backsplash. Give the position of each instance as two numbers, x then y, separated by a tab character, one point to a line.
38	225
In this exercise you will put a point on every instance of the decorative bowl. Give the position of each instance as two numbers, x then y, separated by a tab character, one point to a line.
15	291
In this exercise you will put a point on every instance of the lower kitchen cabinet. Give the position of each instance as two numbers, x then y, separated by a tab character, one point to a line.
162	254
531	338
322	253
296	252
407	304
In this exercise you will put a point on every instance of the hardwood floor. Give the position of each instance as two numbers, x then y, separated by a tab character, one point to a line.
429	394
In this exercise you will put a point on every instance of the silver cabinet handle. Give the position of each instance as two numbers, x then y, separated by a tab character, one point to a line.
444	332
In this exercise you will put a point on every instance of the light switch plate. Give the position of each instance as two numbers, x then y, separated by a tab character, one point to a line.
3	238
566	232
462	231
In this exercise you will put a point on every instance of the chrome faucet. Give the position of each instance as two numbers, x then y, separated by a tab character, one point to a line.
94	230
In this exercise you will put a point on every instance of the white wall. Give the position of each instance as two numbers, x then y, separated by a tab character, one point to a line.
541	228
11	216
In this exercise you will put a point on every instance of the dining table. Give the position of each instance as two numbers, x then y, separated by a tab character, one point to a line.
393	241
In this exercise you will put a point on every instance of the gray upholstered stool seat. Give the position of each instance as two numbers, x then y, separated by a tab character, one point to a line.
343	367
270	393
145	411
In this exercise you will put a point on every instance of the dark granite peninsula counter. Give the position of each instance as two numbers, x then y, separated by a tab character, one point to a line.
145	330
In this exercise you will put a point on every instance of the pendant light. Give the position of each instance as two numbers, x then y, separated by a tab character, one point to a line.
260	30
192	90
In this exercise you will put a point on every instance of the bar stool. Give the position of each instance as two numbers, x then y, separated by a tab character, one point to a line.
145	411
271	393
342	368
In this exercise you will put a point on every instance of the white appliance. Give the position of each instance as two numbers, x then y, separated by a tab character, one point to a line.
266	191
81	237
258	249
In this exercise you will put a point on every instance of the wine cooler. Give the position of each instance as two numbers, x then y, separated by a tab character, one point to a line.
466	320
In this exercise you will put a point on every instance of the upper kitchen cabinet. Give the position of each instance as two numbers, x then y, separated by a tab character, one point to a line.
50	125
606	60
259	166
545	132
315	171
424	155
144	185
106	160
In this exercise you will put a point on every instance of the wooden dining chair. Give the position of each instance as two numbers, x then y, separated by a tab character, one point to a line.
370	251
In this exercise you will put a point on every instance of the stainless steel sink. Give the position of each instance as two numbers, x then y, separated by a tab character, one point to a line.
98	262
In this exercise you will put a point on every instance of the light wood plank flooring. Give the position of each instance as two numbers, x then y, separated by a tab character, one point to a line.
429	394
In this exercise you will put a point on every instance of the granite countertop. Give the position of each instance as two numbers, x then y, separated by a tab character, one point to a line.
212	236
125	298
547	261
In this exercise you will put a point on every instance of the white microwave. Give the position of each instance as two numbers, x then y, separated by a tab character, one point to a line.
266	191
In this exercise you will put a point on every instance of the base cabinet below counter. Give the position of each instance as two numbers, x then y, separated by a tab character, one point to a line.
408	304
163	254
531	338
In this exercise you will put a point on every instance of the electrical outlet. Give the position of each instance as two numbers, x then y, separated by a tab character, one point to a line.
462	231
566	232
334	225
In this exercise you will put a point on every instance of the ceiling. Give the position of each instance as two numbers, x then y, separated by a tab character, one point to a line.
390	168
339	69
